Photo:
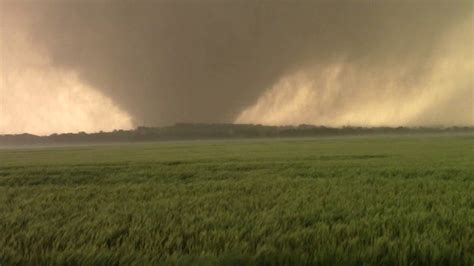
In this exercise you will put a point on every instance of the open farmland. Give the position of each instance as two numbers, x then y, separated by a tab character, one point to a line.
387	200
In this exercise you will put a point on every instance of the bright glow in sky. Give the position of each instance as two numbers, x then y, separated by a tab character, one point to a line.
341	94
40	99
75	83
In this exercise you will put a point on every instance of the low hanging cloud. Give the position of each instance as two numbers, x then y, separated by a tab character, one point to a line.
277	62
39	98
342	93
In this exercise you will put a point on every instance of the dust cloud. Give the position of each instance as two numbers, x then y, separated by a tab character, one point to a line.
273	62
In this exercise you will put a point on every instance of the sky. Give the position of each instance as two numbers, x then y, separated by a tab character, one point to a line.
91	65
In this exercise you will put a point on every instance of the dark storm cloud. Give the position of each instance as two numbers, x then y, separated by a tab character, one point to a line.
205	61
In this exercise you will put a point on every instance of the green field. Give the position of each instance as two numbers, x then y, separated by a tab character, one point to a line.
393	200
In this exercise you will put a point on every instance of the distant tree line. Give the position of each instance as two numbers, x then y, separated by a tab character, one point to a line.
190	131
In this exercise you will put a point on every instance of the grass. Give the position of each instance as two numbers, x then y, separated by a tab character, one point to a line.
330	201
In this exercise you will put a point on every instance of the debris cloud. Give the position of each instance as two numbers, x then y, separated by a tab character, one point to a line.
273	62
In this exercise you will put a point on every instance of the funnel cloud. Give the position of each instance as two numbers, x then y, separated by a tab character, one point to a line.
273	62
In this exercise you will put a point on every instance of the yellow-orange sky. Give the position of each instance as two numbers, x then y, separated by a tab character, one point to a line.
93	65
37	98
